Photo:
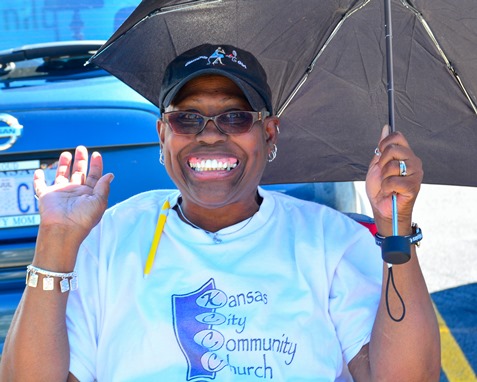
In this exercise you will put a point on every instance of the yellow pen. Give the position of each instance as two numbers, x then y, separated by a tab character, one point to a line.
161	221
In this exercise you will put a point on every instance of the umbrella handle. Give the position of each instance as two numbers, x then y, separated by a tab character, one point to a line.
395	249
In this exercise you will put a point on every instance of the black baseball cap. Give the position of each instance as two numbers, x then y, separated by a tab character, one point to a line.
237	64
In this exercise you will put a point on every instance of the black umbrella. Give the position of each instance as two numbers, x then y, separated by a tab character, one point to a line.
326	63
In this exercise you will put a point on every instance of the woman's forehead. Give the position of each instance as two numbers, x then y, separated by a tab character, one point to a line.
210	86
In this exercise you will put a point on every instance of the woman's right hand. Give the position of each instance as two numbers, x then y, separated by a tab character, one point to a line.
36	347
76	201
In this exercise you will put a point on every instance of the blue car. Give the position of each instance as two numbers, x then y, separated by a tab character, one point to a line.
50	102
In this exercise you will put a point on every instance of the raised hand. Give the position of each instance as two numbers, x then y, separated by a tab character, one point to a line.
384	179
78	198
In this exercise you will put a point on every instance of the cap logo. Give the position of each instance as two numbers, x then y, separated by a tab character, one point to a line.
216	58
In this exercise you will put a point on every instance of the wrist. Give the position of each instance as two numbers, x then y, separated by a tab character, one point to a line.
385	225
414	237
56	249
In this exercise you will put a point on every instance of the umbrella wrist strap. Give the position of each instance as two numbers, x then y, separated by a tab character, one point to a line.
414	238
390	280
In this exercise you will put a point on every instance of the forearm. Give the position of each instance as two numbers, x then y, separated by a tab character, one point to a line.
408	350
37	344
37	347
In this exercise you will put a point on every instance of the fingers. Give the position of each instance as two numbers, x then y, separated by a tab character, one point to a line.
76	171
80	166
391	139
63	170
39	184
95	170
102	186
391	166
407	186
393	149
377	151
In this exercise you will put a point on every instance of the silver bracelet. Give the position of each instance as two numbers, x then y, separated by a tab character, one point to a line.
69	281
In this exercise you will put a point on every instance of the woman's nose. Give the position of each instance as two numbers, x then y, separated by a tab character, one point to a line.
211	133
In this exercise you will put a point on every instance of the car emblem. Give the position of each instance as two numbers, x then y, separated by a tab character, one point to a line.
12	131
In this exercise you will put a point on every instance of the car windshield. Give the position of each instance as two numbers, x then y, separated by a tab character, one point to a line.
25	22
51	40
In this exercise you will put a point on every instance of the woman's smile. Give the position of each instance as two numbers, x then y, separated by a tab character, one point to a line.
208	164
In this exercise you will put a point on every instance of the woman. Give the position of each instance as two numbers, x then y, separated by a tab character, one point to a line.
242	284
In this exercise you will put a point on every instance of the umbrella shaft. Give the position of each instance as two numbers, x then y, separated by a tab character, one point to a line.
395	216
389	62
390	76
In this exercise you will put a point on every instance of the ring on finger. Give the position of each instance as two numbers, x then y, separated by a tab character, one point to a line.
402	168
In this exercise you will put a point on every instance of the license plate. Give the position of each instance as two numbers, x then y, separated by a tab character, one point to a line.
18	205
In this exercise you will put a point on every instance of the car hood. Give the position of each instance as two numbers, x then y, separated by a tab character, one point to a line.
98	90
96	112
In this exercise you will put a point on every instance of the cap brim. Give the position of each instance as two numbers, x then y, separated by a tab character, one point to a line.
253	97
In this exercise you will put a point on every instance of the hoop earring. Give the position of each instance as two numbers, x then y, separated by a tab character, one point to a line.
273	153
161	156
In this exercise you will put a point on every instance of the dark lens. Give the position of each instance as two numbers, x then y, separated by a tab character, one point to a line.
235	122
185	123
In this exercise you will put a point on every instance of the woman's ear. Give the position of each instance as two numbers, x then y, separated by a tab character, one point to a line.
271	129
160	127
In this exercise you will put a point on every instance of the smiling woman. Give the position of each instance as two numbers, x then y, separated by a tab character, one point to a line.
244	152
59	103
161	291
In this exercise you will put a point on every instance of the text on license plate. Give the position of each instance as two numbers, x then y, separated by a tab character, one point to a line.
18	205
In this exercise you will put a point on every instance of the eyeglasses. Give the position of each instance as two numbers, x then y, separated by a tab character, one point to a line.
231	122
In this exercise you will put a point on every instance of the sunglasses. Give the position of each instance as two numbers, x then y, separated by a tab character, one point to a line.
230	122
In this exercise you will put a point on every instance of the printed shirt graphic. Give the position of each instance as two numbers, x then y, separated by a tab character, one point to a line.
194	316
199	321
287	298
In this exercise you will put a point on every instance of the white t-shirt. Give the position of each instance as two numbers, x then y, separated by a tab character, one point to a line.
285	298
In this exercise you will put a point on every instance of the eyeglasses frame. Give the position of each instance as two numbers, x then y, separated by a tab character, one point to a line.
257	116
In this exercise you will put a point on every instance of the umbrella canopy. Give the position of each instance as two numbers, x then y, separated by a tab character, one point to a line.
326	66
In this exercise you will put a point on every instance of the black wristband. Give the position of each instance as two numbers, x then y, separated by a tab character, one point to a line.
414	238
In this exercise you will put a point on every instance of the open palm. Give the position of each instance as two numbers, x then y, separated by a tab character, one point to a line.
78	197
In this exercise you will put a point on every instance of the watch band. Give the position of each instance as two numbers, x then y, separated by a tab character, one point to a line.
414	238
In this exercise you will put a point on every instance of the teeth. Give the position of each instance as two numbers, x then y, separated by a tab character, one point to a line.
212	165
